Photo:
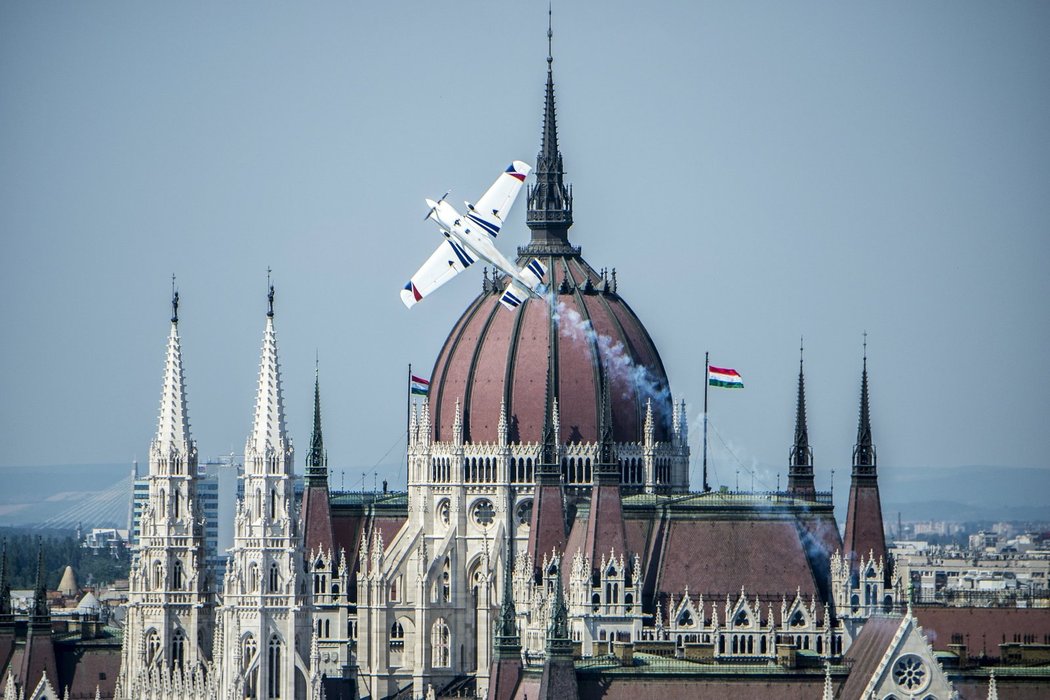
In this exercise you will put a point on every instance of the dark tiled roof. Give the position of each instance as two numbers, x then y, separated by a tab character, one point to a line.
867	651
317	520
864	530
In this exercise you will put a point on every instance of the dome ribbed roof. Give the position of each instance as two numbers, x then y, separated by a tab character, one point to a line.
494	355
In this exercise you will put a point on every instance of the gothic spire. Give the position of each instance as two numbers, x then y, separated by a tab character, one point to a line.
316	458
508	641
550	444
550	199
41	613
801	455
864	450
559	643
5	587
605	425
268	426
173	424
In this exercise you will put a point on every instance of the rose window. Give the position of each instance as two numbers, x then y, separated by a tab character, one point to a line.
525	513
910	673
443	512
484	512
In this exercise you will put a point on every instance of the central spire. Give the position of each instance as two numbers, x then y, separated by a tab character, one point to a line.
550	199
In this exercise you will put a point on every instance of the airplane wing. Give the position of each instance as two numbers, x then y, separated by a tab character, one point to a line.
492	208
446	262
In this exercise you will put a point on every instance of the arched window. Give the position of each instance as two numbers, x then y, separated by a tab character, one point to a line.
327	629
248	649
274	578
258	503
176	503
253	578
176	576
158	576
273	675
441	641
178	649
273	504
163	502
152	647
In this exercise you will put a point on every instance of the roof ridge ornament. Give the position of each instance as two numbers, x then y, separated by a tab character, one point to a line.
174	300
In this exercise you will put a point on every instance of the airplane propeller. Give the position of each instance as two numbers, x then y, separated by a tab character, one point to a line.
435	205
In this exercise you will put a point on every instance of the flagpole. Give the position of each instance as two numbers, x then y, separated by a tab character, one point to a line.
408	420
707	382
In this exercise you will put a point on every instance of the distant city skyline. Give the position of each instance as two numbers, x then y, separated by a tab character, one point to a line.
755	174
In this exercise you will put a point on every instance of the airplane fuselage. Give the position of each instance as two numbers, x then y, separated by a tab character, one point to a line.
473	237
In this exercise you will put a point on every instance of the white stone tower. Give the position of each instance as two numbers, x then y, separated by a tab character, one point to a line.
167	640
263	635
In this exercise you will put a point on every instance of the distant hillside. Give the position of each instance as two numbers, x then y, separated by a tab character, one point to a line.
966	493
60	495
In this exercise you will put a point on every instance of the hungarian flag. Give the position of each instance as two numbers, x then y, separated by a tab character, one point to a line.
419	386
723	377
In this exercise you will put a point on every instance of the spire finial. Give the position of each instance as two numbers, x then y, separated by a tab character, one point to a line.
174	301
269	295
550	37
865	350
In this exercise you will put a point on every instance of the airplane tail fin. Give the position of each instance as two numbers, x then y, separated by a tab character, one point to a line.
516	293
533	273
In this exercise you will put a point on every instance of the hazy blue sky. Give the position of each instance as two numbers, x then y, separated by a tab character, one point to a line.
754	171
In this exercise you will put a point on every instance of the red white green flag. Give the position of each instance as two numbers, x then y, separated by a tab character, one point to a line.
724	377
419	386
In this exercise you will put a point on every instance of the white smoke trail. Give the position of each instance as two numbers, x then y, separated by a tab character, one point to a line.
613	354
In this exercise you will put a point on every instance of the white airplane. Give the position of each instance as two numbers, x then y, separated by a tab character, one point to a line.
471	237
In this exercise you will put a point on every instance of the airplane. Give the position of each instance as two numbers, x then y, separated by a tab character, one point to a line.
471	237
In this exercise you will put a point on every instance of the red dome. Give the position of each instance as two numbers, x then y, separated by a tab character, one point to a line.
494	355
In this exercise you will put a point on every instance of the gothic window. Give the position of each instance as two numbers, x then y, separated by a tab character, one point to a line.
762	645
441	641
910	673
685	619
258	503
528	469
741	619
273	504
484	512
248	649
397	632
158	576
274	578
253	578
178	649
797	620
327	629
176	576
163	502
273	675
320	628
524	513
176	503
444	512
596	602
854	603
152	647
446	581
628	600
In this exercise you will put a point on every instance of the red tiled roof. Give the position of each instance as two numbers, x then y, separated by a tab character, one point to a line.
718	557
489	347
864	530
317	520
982	630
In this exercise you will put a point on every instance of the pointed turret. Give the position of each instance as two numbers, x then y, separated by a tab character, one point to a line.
268	441
7	619
550	199
506	668
559	670
547	531
800	469
864	534
38	659
317	458
316	511
598	528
